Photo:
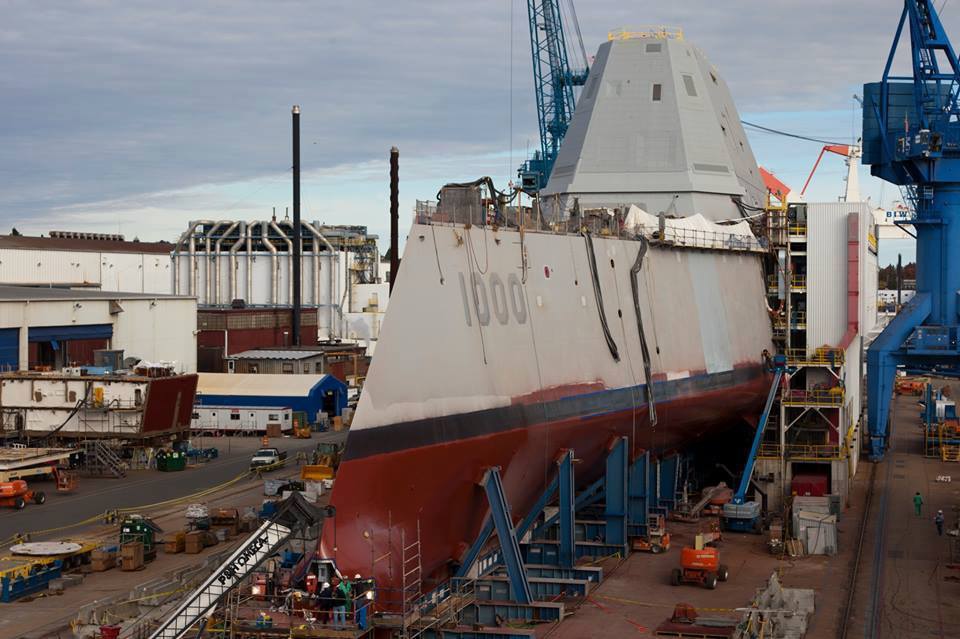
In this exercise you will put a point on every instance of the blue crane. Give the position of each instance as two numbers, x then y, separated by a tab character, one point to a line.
553	81
911	132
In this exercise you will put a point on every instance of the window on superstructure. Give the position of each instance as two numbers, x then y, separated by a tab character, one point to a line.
657	92
690	86
654	47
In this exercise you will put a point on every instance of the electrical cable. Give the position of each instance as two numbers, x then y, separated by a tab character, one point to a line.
786	134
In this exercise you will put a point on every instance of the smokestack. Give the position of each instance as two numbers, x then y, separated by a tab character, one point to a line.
394	214
899	280
296	226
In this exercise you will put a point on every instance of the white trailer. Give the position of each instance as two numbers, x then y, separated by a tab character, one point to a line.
241	419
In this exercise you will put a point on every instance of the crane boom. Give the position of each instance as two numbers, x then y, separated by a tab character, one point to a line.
553	82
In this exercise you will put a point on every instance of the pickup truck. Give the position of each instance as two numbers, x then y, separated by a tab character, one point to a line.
267	457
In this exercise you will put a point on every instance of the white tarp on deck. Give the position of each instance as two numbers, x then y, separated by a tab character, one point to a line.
695	230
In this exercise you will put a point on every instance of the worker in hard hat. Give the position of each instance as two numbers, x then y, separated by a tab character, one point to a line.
938	520
325	602
362	603
340	600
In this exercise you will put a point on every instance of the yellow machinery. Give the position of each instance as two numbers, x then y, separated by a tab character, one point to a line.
326	461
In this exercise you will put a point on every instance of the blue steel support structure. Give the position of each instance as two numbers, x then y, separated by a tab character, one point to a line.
568	542
615	502
553	81
911	134
509	546
639	493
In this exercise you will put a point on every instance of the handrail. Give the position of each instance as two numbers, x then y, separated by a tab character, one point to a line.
820	357
802	451
654	32
829	397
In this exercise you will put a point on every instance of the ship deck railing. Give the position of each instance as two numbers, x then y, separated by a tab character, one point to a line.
669	236
802	452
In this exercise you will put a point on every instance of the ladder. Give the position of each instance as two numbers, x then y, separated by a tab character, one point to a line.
102	460
411	575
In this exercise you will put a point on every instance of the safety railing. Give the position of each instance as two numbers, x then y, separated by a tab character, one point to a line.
797	230
821	357
798	281
652	32
812	398
702	238
798	319
802	452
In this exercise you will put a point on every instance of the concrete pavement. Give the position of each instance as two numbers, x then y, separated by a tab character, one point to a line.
902	590
94	496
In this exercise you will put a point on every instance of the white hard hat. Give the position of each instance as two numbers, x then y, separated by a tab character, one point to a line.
357	576
326	584
939	512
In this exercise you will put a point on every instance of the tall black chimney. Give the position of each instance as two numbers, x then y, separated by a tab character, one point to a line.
296	227
394	214
899	281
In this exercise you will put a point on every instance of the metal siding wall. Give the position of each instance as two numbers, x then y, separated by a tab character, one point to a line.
868	277
23	266
827	271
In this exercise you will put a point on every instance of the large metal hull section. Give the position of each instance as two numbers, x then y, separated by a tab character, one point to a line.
493	354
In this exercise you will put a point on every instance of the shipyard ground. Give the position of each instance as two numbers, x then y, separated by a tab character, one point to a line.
50	616
903	586
94	496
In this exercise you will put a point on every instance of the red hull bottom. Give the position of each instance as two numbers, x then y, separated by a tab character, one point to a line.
436	487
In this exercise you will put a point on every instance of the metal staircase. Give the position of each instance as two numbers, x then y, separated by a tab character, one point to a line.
100	459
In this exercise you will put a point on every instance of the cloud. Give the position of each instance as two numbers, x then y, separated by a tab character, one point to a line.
107	101
350	193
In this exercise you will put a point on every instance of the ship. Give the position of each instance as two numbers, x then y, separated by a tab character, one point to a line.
629	301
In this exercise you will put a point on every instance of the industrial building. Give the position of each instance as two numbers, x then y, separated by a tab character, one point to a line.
86	260
345	361
239	271
53	328
236	264
223	333
824	294
246	420
314	395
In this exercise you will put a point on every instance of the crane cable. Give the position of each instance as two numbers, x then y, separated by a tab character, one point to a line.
789	135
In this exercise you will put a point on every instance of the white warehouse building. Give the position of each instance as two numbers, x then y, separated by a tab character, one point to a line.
56	328
86	260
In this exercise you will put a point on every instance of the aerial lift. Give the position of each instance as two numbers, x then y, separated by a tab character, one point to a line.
738	514
911	133
294	515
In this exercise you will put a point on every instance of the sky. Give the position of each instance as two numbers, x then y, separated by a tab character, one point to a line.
135	117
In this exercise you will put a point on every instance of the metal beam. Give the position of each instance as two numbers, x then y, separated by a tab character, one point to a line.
882	358
567	510
509	548
639	494
615	497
